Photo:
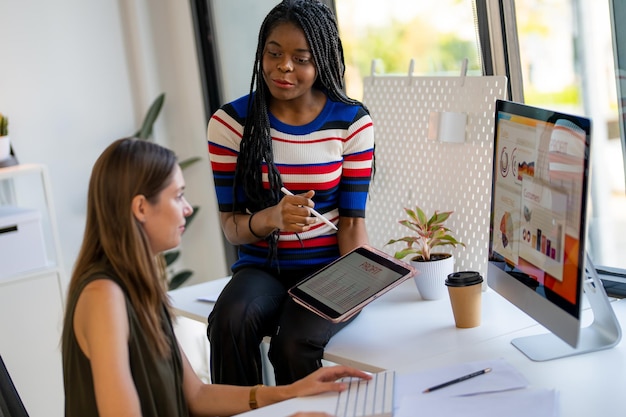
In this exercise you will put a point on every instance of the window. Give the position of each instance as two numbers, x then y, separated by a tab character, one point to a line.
437	35
566	56
565	59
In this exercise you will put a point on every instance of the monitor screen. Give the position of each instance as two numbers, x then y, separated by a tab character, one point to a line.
538	214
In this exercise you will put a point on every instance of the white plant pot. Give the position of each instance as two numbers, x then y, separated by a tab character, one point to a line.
431	279
5	147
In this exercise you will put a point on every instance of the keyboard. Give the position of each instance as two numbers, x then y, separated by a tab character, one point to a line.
373	398
613	280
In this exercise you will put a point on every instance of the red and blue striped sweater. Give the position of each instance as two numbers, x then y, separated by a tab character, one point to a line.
331	155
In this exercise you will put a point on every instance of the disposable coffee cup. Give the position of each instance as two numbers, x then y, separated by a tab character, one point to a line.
465	290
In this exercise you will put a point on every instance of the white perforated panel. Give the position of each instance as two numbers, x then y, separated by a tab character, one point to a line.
413	170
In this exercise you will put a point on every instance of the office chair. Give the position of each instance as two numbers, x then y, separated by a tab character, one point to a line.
11	404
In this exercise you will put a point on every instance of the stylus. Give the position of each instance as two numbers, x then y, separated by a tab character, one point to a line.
457	380
313	212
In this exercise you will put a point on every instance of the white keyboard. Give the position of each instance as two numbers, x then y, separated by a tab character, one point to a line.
373	398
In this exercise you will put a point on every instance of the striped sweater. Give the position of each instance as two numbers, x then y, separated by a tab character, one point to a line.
331	155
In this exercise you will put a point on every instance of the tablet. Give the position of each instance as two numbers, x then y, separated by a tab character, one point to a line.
342	288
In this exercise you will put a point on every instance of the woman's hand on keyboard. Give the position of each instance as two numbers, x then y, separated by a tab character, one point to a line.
326	379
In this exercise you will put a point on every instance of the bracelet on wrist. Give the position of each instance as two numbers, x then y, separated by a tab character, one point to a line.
250	227
253	402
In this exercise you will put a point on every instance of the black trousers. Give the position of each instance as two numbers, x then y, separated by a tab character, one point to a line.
255	304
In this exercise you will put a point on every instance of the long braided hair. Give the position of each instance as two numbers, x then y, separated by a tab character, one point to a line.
319	25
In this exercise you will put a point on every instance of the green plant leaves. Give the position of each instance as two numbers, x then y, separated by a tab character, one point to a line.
171	256
179	279
428	233
148	122
4	125
189	162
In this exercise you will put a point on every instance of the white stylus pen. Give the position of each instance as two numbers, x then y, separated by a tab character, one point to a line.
313	212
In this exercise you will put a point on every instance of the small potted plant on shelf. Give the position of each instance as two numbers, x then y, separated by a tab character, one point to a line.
4	137
6	159
4	125
428	233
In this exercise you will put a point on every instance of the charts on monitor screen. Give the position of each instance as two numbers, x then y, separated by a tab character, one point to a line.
538	230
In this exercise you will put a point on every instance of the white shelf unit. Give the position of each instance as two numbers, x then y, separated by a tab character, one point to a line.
32	302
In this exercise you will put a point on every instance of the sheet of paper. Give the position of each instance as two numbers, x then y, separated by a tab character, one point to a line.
502	392
525	402
213	289
502	377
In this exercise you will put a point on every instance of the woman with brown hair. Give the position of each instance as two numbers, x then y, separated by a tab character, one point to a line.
120	354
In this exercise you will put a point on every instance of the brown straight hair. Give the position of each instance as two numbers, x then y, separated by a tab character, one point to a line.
114	240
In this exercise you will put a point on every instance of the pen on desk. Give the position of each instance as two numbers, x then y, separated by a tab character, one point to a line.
313	212
457	380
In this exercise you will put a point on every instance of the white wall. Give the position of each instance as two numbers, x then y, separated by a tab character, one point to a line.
236	48
162	52
76	75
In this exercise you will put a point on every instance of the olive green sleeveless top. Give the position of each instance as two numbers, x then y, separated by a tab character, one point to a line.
158	380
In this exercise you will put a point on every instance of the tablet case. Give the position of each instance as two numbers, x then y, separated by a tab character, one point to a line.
350	283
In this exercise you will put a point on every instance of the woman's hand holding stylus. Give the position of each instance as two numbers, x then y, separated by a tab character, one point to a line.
295	212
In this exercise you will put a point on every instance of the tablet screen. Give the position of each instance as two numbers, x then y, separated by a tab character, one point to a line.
350	281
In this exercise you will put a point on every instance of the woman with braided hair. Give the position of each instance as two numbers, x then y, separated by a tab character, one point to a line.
295	129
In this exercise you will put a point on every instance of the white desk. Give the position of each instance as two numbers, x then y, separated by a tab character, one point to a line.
403	332
400	326
415	326
185	300
590	385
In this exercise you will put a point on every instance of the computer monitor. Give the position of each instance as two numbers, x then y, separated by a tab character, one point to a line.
537	257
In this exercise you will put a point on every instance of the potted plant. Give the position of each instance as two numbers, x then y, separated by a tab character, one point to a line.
4	125
428	233
5	144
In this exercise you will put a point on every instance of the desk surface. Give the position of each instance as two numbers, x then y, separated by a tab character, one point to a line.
414	325
403	332
185	300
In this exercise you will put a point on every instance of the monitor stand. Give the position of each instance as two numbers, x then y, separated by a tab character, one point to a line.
604	333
